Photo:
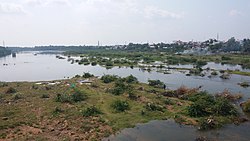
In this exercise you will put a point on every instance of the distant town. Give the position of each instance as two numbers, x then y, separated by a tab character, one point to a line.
211	46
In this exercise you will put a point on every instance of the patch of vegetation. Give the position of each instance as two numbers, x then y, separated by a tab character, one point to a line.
244	84
156	83
109	78
91	111
45	96
87	75
154	107
11	90
207	105
131	79
120	105
246	106
76	96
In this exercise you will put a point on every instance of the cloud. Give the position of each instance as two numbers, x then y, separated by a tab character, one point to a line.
152	12
11	8
235	13
47	2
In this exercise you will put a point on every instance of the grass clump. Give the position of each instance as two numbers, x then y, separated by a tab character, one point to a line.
131	79
45	96
156	83
91	111
154	107
120	106
87	75
11	90
76	96
109	78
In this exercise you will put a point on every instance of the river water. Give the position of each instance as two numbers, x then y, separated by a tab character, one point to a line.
27	66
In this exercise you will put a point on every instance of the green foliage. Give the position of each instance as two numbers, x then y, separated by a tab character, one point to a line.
91	111
225	58
109	64
17	96
131	79
94	63
87	75
109	78
200	63
206	105
57	111
121	87
3	84
63	98
120	106
156	83
11	90
168	101
223	107
76	96
154	107
246	106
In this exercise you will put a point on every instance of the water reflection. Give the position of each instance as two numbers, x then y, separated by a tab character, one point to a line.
171	131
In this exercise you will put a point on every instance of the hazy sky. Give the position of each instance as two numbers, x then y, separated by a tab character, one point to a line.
79	22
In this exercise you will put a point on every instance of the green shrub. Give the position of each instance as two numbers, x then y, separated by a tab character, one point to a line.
214	73
57	111
17	96
3	84
132	95
200	63
87	75
94	63
78	95
63	98
131	79
120	106
156	83
109	64
11	90
168	101
206	105
246	106
91	111
225	58
109	78
154	107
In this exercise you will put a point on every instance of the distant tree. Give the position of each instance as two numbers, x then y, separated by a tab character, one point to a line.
246	45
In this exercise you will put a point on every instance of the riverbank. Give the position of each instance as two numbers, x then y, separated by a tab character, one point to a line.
91	109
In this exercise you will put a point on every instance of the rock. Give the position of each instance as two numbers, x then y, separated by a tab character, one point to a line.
5	118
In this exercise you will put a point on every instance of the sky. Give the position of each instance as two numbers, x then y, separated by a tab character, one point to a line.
85	22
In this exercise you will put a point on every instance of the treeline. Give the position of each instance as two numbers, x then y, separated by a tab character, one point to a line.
4	52
212	45
232	45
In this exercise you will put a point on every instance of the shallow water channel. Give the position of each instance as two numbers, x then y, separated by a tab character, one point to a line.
29	66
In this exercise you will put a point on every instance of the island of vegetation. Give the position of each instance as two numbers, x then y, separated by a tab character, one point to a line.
90	108
4	52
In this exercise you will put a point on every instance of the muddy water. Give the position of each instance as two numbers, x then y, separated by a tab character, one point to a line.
29	67
171	131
